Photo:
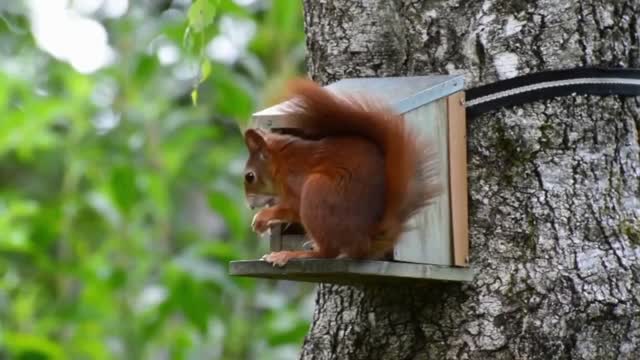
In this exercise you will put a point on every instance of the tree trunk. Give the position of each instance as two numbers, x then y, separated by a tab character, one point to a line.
554	185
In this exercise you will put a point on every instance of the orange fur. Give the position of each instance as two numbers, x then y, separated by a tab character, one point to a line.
353	186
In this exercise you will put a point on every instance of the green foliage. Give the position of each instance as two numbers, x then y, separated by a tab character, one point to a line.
120	188
201	16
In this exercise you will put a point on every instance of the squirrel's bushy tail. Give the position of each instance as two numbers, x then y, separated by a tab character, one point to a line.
410	162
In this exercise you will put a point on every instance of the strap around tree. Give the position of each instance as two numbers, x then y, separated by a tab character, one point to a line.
550	84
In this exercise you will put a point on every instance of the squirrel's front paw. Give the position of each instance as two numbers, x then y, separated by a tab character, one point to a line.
261	224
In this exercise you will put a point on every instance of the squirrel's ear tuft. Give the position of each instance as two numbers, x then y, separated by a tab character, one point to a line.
255	140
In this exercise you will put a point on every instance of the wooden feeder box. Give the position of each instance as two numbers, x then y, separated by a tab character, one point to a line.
437	247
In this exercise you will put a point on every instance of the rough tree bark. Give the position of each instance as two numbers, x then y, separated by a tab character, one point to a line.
554	185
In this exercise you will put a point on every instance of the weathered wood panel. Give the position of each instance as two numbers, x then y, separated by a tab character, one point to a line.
429	241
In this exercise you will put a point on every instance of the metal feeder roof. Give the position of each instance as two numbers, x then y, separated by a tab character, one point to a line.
402	94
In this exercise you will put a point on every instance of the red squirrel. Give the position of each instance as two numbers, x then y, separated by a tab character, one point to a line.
353	185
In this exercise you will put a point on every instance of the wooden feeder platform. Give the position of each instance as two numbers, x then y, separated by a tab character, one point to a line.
436	249
348	272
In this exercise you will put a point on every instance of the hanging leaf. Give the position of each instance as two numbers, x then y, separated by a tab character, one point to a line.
194	96
205	70
201	14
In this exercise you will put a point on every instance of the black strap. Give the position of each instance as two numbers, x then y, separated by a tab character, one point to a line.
549	84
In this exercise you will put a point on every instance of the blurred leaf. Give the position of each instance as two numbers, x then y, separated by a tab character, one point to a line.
221	251
194	96
124	187
201	14
231	7
205	70
231	97
180	147
145	68
189	296
229	211
32	347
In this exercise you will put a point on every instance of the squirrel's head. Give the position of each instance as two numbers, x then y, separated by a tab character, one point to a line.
259	188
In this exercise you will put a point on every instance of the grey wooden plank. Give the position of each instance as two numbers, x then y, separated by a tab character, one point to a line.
346	271
429	240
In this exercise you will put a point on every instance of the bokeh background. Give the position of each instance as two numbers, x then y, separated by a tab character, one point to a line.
120	186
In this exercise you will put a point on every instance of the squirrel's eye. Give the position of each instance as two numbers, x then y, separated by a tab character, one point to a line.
249	177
